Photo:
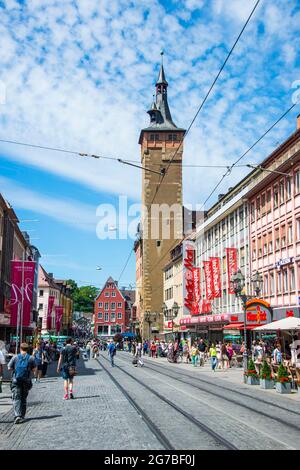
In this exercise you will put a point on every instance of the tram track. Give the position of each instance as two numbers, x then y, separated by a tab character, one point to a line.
219	395
220	440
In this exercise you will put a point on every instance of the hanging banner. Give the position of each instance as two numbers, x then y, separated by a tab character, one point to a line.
22	281
231	257
59	311
49	314
216	276
197	291
208	280
188	253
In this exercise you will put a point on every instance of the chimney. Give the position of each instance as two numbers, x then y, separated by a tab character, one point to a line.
298	121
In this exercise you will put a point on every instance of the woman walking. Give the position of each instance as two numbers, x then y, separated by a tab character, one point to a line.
224	357
194	354
213	357
38	357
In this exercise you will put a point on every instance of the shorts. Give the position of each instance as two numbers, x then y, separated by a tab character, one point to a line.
65	373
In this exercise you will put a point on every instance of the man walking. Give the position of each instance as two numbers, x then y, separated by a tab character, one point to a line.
22	365
111	352
67	365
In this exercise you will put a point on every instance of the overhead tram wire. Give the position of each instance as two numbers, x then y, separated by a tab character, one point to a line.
125	265
229	168
205	98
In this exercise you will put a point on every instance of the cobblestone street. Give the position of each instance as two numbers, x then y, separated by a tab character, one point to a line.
185	408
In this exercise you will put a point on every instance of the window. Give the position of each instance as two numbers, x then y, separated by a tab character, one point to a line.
288	188
279	287
258	207
275	196
297	182
269	196
106	306
252	211
281	192
298	229
152	137
41	306
277	243
254	254
100	304
292	278
290	233
285	281
113	294
106	294
172	137
103	330
41	293
283	241
265	249
106	316
119	304
113	305
100	316
119	316
113	317
272	284
263	204
266	285
270	247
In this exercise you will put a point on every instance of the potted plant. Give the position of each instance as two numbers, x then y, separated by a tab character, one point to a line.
283	382
251	374
266	378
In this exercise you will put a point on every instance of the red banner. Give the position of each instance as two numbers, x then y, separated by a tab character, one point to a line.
208	280
22	280
231	256
59	311
197	291
49	314
216	276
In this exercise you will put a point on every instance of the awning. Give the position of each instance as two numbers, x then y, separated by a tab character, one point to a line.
129	335
290	323
240	326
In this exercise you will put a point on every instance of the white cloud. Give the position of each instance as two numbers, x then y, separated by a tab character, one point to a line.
81	76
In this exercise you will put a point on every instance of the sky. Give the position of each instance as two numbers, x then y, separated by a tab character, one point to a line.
80	75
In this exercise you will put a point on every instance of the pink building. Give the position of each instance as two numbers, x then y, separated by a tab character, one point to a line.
274	227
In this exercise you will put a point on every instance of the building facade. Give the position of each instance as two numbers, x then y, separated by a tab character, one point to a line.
112	312
275	228
161	224
47	289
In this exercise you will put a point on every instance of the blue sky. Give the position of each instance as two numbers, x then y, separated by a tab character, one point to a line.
80	75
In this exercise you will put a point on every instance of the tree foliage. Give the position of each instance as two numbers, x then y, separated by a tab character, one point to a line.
83	297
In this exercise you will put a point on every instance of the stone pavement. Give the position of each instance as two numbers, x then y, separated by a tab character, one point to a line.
100	417
233	376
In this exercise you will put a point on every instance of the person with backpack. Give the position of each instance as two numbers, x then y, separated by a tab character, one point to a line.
67	365
22	365
111	352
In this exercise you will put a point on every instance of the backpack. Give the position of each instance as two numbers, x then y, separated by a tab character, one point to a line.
22	371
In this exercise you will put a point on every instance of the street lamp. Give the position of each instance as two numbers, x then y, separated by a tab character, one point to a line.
238	284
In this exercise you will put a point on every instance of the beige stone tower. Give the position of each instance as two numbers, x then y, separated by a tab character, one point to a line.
161	225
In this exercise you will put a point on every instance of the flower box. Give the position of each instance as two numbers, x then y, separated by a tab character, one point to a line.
251	380
283	387
267	384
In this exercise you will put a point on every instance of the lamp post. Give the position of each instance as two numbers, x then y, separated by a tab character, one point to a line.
238	283
170	314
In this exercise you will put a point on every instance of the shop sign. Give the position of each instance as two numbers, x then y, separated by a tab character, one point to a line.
234	318
188	248
285	312
283	262
205	319
258	311
208	280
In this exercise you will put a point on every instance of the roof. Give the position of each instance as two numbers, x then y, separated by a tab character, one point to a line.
45	280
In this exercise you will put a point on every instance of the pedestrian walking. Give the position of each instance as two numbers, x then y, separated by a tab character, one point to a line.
38	357
137	360
194	354
145	347
213	356
88	349
95	351
45	361
202	349
153	349
186	352
2	363
224	357
22	365
67	366
219	355
111	352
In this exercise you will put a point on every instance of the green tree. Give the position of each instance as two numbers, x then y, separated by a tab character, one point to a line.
83	297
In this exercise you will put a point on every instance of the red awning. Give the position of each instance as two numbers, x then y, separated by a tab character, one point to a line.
240	326
234	326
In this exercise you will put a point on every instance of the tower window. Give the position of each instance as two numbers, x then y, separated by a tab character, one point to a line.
156	136
152	137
